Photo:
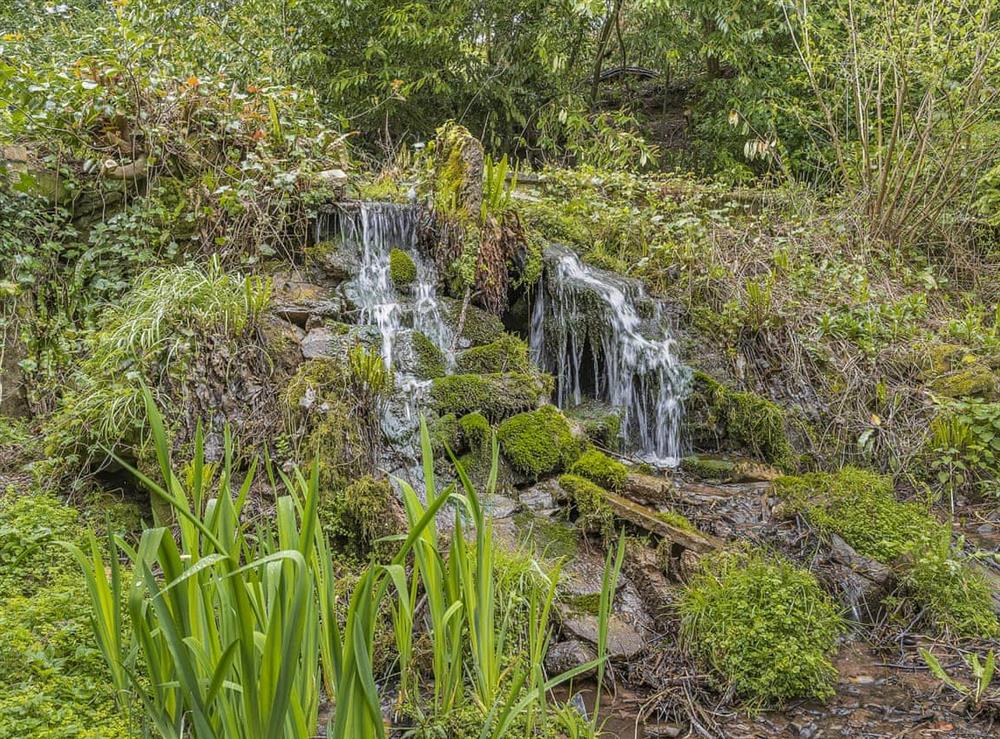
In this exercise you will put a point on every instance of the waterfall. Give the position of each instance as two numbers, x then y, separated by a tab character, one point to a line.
587	331
374	229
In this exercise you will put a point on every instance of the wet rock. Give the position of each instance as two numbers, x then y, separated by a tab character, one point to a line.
332	178
624	640
644	569
297	301
662	731
567	655
540	497
336	339
499	506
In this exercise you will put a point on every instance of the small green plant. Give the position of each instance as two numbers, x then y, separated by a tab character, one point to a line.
763	625
496	190
982	671
965	447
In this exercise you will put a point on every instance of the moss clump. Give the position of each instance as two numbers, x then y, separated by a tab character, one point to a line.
974	381
476	431
496	396
506	354
601	424
56	683
746	419
551	538
357	516
538	442
402	269
595	515
860	507
479	327
445	434
429	361
598	467
764	626
677	520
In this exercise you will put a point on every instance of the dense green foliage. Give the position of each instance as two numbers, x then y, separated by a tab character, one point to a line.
861	507
764	626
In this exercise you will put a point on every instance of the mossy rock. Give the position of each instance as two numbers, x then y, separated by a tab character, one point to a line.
506	354
476	430
780	653
677	520
601	469
402	268
747	421
458	172
861	507
538	442
974	381
445	434
429	361
479	327
600	422
496	396
594	514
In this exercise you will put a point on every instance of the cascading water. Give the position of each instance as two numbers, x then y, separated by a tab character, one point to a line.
587	331
375	229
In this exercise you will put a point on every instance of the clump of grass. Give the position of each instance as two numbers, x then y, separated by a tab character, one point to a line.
860	506
764	626
147	338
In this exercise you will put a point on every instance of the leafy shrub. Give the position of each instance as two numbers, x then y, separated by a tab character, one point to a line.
598	467
764	626
538	442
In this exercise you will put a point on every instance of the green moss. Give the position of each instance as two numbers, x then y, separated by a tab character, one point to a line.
595	515
356	516
552	539
974	381
476	431
754	423
430	361
601	424
479	327
506	354
496	396
538	442
860	507
402	269
677	520
598	467
763	626
445	434
709	468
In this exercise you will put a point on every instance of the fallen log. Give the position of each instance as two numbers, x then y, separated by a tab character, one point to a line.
648	519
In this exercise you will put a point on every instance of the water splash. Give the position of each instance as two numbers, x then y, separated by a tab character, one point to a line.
587	331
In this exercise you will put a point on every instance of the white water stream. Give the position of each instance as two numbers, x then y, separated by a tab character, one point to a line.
634	362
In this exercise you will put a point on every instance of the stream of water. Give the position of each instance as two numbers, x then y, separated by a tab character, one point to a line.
586	330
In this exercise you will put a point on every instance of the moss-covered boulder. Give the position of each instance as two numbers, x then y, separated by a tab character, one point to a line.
474	325
720	417
600	422
780	653
859	506
476	430
973	381
428	361
601	469
538	442
402	268
594	515
506	354
496	396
